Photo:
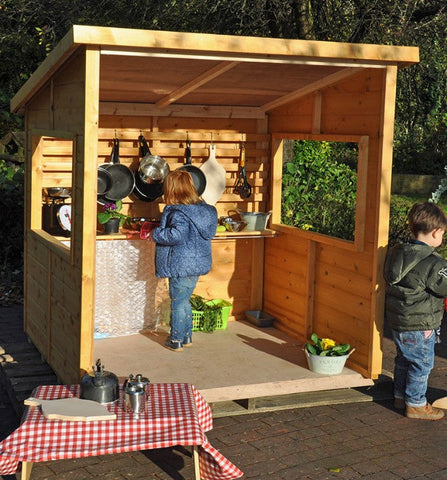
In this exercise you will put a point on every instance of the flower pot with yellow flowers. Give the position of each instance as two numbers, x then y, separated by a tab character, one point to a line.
325	356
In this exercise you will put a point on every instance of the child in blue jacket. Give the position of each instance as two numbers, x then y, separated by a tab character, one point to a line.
183	250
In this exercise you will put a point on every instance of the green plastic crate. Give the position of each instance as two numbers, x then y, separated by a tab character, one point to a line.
225	308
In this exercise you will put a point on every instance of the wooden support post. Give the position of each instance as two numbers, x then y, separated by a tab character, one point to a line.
310	288
195	457
26	470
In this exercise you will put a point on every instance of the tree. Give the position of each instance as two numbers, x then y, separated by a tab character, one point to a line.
29	29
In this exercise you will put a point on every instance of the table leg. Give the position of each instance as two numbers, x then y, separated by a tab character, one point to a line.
195	457
26	470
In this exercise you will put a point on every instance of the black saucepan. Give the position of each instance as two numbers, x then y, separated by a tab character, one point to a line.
123	180
198	177
147	192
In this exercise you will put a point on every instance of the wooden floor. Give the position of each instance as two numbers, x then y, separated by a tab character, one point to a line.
241	362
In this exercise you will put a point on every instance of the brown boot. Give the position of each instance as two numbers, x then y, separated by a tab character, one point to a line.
425	413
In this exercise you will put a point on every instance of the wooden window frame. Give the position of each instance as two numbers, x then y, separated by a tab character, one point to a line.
35	190
358	244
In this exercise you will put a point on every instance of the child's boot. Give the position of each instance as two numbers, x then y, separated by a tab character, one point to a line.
425	413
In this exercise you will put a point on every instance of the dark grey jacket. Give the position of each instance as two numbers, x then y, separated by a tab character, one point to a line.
184	240
416	278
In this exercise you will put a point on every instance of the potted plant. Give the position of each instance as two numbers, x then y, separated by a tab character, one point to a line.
111	217
325	356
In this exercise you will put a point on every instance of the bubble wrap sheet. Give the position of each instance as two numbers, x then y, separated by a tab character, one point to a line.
129	297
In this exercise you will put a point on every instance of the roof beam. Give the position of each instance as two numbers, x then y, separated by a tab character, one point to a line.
205	77
310	88
179	110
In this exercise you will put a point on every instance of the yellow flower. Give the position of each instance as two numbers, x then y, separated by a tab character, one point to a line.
327	343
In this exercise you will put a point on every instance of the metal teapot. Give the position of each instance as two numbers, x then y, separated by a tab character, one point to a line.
102	386
138	382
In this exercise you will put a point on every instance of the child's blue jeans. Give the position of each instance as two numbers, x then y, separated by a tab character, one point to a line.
415	355
180	291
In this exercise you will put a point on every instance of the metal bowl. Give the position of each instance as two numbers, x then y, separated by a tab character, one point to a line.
153	169
234	225
60	192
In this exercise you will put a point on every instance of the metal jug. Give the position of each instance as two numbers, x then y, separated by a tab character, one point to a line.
134	399
137	381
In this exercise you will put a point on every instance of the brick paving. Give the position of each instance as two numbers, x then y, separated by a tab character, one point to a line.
368	440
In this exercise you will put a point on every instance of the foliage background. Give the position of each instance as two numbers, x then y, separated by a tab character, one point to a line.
319	188
29	30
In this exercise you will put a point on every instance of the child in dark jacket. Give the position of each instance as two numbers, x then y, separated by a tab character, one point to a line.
416	278
183	250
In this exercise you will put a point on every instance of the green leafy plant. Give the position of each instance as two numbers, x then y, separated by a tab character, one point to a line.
326	347
112	210
211	313
319	188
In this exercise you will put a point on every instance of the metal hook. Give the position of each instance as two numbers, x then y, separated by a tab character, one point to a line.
188	141
211	142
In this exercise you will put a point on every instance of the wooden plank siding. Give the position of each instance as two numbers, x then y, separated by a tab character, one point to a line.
340	279
53	286
102	82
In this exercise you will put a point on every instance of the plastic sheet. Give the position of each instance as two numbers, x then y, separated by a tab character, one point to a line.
128	296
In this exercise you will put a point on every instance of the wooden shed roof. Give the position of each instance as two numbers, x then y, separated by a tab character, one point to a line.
166	70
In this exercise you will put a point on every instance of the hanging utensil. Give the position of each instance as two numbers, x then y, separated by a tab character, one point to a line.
122	177
146	188
153	168
215	177
198	177
242	187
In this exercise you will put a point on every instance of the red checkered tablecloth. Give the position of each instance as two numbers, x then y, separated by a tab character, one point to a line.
175	414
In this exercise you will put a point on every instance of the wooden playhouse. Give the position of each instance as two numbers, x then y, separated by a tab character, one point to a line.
100	83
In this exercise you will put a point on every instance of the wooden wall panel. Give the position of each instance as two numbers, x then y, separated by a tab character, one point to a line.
166	137
230	276
68	87
57	109
341	281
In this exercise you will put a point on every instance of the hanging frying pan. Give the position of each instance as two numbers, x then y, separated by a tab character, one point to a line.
104	181
145	188
198	177
123	180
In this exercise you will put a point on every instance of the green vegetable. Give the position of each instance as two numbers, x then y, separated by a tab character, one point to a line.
211	313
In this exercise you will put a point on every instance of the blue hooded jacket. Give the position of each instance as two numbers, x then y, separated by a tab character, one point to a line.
184	240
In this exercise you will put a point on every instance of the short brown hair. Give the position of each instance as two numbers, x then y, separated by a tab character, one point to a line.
179	189
426	217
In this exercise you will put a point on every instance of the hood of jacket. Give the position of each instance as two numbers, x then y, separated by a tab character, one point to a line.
403	258
201	215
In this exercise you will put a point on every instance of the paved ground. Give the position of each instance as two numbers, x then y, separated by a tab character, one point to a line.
368	440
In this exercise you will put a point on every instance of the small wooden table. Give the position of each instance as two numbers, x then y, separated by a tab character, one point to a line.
175	414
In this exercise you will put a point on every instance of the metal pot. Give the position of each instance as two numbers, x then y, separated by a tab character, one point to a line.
101	386
147	192
152	169
58	192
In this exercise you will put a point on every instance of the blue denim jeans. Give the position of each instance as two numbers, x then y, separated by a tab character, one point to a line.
180	291
414	361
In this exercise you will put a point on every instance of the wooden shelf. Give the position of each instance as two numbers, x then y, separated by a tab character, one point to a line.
219	235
